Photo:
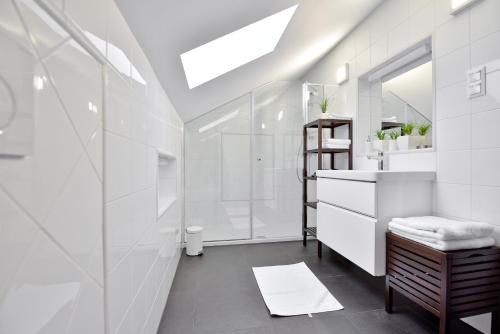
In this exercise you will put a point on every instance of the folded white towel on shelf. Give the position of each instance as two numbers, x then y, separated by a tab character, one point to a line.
337	141
336	146
439	228
449	245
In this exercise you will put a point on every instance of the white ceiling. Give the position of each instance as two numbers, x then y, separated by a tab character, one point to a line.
167	28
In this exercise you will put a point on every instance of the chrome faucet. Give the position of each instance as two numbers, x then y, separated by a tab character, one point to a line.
379	157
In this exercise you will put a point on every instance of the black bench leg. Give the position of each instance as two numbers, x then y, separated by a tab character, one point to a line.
320	249
495	322
444	324
389	296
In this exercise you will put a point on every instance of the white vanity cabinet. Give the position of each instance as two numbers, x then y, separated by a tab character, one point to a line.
354	208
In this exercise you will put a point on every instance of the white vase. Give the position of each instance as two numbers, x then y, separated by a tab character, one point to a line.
324	115
381	145
421	141
393	145
407	142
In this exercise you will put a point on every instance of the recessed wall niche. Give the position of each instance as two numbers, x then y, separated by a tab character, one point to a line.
166	181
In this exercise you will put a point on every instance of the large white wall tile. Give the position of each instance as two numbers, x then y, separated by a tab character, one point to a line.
453	200
390	14
17	51
378	51
35	182
17	234
77	78
452	35
94	149
485	132
452	101
399	39
485	49
452	67
454	133
454	167
118	115
422	22
75	220
486	167
118	166
119	293
363	62
361	38
484	19
88	315
46	275
416	5
443	8
485	206
44	31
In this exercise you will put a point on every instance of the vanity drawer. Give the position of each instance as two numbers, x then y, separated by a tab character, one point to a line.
352	235
353	195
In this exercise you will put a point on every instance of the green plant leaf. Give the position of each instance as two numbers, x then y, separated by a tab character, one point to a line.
395	134
380	134
323	104
407	129
423	129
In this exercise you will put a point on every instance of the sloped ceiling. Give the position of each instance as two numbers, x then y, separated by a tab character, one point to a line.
167	28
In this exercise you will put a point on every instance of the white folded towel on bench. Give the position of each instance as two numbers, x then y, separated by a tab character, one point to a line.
450	245
438	228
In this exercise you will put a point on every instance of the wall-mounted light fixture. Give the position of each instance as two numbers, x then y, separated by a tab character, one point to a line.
459	5
342	74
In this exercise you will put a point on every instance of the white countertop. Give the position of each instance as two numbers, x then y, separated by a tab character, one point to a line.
377	176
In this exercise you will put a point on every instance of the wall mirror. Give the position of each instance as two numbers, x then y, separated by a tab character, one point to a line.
396	103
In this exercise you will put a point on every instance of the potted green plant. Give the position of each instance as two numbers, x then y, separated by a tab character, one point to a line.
393	145
380	144
324	106
423	129
407	140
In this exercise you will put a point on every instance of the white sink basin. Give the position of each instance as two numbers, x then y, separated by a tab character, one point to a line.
376	175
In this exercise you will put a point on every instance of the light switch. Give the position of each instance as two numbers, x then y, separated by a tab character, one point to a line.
476	82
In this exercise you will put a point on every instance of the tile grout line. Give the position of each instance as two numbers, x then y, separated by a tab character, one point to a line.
44	232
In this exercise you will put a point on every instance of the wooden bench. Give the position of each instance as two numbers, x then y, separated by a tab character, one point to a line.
450	285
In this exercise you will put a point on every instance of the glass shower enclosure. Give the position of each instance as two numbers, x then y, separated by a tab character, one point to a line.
243	166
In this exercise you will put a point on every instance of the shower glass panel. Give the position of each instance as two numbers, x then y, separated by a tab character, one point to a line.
218	171
277	155
242	166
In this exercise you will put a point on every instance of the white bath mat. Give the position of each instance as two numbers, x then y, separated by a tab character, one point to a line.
293	290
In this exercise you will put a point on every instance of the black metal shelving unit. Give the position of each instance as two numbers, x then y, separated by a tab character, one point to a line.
320	125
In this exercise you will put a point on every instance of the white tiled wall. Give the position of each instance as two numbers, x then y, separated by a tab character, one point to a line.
468	143
80	225
51	204
141	249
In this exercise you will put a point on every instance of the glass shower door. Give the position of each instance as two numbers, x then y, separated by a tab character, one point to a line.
277	161
218	173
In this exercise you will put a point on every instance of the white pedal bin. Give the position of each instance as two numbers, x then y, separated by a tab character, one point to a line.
194	238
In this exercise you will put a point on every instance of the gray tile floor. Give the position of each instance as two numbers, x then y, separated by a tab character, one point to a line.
217	294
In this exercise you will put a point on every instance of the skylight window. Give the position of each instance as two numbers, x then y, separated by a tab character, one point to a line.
235	49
